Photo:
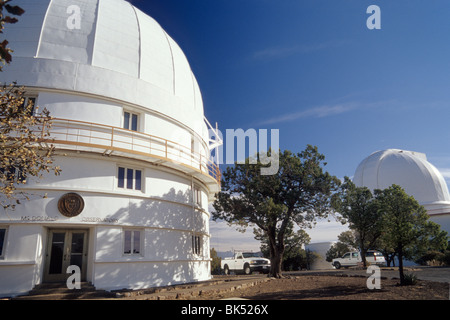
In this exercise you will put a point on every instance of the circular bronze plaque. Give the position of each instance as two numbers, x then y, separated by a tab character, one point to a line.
71	205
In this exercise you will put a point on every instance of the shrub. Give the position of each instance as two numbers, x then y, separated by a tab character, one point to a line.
410	279
446	258
430	258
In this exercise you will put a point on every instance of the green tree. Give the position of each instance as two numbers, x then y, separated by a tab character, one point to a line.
358	208
346	242
387	250
406	226
298	193
215	261
294	256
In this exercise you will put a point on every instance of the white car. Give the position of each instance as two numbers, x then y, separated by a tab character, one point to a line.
245	262
351	259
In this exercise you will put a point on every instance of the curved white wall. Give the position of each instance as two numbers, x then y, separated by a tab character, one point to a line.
110	112
163	211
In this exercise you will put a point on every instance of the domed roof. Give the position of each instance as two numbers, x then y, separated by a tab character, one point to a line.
104	47
411	171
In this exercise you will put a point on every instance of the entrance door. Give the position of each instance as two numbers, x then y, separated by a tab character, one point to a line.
65	248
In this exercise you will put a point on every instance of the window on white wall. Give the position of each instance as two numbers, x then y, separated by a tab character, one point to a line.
132	240
3	232
196	245
13	174
197	196
29	100
130	179
130	121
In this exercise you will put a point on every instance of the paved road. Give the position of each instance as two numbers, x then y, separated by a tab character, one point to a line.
438	274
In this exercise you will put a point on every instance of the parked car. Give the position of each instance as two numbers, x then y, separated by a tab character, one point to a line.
246	262
351	259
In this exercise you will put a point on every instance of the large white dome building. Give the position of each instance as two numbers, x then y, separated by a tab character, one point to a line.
130	207
414	174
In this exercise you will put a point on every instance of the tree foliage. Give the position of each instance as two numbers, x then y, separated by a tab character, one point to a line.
294	257
22	129
22	155
347	241
388	220
215	261
298	193
406	226
5	52
357	207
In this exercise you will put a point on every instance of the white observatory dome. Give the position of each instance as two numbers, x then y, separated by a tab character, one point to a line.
411	171
115	51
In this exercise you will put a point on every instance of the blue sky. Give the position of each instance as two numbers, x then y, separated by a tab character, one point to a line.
313	70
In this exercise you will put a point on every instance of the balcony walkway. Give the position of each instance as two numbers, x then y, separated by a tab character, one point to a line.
109	140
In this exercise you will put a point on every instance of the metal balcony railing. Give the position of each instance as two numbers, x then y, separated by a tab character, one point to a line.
88	136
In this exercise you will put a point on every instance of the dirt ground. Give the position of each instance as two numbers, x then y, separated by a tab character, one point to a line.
345	285
335	288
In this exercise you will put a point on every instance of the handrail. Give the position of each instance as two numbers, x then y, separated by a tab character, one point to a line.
111	138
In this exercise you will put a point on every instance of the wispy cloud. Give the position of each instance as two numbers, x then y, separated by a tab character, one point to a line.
445	172
333	108
277	52
316	112
225	238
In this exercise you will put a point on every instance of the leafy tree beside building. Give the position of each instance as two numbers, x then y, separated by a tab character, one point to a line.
388	220
298	193
356	206
406	226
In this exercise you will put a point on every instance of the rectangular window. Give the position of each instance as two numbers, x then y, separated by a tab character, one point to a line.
126	120
2	241
196	245
138	180
121	178
132	242
30	103
129	178
13	174
197	196
130	121
130	174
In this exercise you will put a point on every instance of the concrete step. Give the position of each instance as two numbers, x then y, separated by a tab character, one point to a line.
50	288
59	291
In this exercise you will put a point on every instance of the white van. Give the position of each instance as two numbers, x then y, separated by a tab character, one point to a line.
351	259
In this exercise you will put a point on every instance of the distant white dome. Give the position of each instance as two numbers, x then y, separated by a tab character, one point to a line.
116	51
411	171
